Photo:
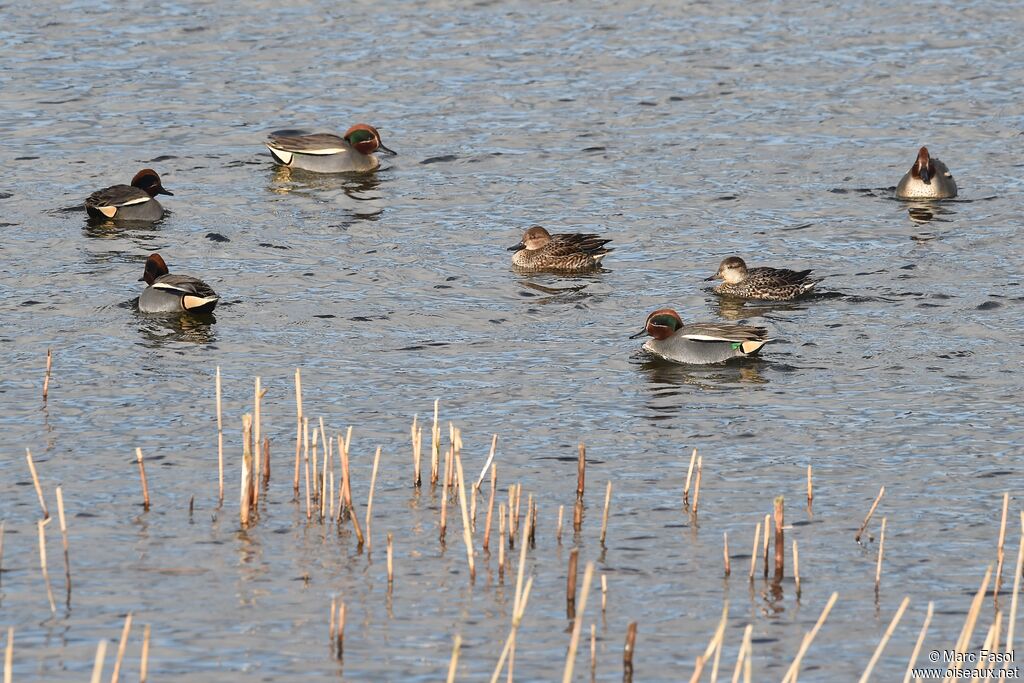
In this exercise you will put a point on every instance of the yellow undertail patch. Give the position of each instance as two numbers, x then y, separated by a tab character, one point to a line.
749	347
107	211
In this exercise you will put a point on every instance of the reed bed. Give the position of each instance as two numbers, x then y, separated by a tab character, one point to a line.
327	499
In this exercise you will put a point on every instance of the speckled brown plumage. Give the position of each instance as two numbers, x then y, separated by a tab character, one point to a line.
562	252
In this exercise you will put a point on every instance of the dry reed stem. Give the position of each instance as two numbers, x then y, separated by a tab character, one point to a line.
794	668
885	638
570	583
689	475
144	657
1016	594
743	654
391	566
369	499
220	442
518	594
328	458
467	534
810	488
245	508
35	482
991	636
725	552
121	647
780	539
487	464
796	568
604	592
864	525
764	543
604	517
696	484
919	643
257	435
142	476
2	524
348	489
9	656
719	635
558	529
298	426
444	495
753	553
490	507
999	548
266	460
593	649
416	452
698	669
330	620
881	552
501	543
453	665
64	543
581	471
314	461
517	616
628	649
519	501
435	447
305	460
46	379
577	626
964	641
97	665
339	642
472	509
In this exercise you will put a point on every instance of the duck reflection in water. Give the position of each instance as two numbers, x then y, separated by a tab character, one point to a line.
665	375
731	308
923	212
361	195
159	330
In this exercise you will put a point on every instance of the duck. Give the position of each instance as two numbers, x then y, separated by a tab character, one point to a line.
766	284
168	293
699	343
561	252
135	202
928	178
327	152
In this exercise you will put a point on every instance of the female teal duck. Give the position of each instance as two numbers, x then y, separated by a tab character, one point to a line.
562	252
766	284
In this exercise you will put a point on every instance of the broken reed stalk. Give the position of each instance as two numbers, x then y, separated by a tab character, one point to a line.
581	471
796	568
42	563
810	488
604	591
467	533
97	665
964	641
593	649
881	551
743	655
764	543
444	496
577	626
1016	594
417	443
518	608
780	541
391	566
348	488
328	482
558	529
520	571
919	643
753	553
999	548
121	647
314	462
64	542
715	645
298	428
256	436
628	649
142	476
9	656
689	475
794	668
501	543
220	444
245	507
604	517
453	665
696	483
435	447
339	636
490	508
305	460
46	379
885	639
369	499
266	460
487	464
570	584
144	657
864	525
35	482
725	552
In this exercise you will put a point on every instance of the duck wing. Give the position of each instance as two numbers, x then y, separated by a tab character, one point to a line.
778	276
722	332
116	196
316	143
184	285
576	243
